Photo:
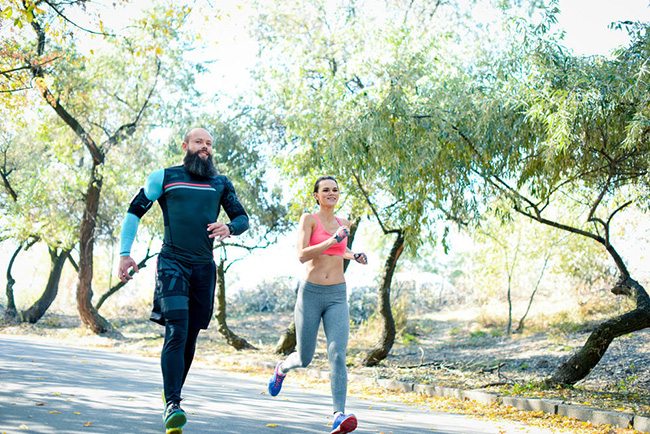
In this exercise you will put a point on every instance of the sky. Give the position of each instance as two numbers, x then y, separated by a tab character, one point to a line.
586	23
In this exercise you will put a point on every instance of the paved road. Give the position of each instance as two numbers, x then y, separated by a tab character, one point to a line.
47	388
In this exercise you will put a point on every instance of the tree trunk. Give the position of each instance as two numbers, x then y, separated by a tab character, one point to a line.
233	340
11	314
287	343
388	332
354	225
87	312
522	320
38	309
580	364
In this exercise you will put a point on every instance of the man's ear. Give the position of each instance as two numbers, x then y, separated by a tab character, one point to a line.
184	146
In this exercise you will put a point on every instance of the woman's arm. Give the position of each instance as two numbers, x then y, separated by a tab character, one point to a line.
361	258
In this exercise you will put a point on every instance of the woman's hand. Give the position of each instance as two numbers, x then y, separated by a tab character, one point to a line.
341	233
361	258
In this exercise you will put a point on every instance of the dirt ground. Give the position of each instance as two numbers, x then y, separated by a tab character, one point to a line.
442	351
449	355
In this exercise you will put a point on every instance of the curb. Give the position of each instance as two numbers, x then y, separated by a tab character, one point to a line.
555	407
550	406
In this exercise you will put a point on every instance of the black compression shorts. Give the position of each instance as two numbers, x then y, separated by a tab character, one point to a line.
184	291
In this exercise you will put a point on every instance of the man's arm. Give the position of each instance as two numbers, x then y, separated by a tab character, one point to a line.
140	204
234	210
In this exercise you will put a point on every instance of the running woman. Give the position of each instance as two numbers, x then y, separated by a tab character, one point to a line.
322	247
190	196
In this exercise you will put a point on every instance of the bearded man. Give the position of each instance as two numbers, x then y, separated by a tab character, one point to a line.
190	196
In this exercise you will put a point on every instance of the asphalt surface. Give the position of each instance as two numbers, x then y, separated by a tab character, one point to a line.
47	387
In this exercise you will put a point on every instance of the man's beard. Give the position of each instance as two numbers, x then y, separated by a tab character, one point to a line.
196	165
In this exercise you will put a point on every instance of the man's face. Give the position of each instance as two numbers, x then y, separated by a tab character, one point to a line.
200	141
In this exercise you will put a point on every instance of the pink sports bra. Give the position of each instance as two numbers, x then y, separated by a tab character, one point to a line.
320	234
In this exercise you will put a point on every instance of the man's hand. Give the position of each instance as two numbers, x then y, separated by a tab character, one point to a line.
219	230
126	262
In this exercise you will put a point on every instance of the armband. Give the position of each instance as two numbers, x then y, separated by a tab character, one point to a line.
140	204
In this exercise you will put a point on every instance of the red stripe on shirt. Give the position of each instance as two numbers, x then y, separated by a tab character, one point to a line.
188	184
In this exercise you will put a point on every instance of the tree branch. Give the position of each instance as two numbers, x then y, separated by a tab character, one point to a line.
372	207
37	72
516	196
59	13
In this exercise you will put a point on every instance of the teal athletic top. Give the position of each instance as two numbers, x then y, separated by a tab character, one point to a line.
188	203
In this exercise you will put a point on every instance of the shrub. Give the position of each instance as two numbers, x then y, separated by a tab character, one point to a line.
362	301
277	295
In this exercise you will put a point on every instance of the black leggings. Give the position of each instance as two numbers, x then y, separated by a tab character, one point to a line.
177	355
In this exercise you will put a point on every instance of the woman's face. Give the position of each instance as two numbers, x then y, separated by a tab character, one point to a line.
328	193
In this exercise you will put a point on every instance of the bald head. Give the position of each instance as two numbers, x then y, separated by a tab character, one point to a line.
202	132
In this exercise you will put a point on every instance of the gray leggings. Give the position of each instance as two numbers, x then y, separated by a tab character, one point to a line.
330	303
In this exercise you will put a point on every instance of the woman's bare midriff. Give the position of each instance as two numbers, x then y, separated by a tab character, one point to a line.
325	270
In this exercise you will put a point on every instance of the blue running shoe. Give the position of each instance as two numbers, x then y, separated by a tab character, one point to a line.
275	383
174	418
344	424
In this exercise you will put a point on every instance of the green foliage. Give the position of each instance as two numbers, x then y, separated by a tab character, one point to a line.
479	338
496	333
104	89
624	385
340	79
408	338
528	386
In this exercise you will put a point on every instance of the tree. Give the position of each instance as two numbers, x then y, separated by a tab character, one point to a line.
535	123
30	209
238	148
579	130
92	109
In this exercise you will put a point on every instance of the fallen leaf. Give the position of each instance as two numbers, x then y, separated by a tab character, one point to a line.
40	404
23	427
76	412
271	425
88	424
55	412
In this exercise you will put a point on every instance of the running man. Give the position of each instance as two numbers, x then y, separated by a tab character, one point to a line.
190	196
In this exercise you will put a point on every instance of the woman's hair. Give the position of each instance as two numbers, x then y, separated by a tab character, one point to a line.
323	178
